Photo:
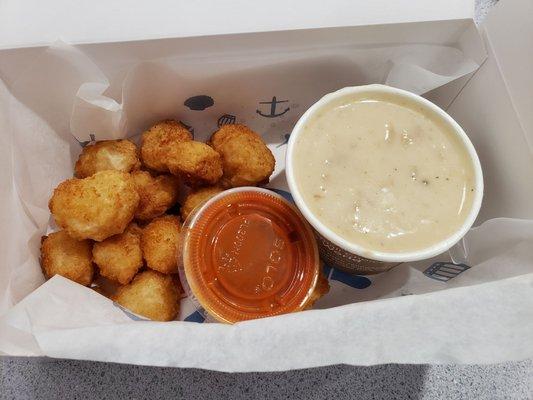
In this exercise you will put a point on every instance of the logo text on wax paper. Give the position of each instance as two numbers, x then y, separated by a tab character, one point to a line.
444	271
272	113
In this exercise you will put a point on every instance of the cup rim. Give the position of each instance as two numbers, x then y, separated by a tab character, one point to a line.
359	250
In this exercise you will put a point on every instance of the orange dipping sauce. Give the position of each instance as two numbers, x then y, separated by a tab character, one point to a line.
248	253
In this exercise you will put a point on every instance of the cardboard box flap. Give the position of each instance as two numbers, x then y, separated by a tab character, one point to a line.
509	31
121	20
494	108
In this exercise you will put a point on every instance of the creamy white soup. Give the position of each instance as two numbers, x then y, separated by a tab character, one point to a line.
383	173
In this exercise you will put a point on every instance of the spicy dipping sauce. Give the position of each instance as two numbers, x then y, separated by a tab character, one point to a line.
382	172
248	253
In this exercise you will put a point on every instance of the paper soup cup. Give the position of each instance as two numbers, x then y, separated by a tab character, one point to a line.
353	257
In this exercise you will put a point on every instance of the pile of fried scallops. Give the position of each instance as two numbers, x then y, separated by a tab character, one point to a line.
120	219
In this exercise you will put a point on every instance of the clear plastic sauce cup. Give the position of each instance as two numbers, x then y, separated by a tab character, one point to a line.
248	253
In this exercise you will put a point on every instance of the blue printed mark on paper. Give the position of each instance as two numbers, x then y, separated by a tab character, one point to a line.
355	281
195	317
444	271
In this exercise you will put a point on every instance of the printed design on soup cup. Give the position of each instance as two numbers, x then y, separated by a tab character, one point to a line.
343	260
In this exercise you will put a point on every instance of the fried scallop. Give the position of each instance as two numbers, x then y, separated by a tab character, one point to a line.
152	295
119	257
229	131
96	207
195	162
160	244
155	142
197	197
246	159
118	155
156	195
68	257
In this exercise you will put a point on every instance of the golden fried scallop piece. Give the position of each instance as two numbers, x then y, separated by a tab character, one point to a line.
157	194
229	131
246	159
155	141
197	197
321	288
196	162
119	257
68	257
96	207
119	155
160	244
152	295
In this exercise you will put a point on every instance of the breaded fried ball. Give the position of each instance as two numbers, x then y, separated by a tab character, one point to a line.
196	162
96	207
160	244
68	257
197	197
119	257
118	155
152	295
230	131
246	159
157	194
154	143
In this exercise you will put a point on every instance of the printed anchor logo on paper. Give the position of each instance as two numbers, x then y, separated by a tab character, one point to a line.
273	105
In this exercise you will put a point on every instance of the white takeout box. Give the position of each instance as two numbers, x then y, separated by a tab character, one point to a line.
133	65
